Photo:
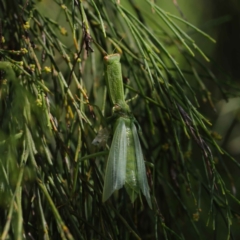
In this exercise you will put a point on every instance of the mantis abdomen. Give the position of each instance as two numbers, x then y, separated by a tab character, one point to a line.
125	166
131	183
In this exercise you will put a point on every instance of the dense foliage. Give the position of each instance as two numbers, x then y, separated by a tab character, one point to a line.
53	102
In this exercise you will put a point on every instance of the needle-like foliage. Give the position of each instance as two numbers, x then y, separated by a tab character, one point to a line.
53	101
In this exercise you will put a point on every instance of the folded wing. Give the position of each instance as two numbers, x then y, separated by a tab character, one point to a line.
116	165
142	177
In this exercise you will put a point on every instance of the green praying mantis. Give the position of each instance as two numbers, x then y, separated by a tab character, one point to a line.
125	165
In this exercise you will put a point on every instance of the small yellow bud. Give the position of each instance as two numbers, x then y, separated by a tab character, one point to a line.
26	25
47	69
63	31
24	50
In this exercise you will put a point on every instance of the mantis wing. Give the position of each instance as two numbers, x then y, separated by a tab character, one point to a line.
116	165
142	177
